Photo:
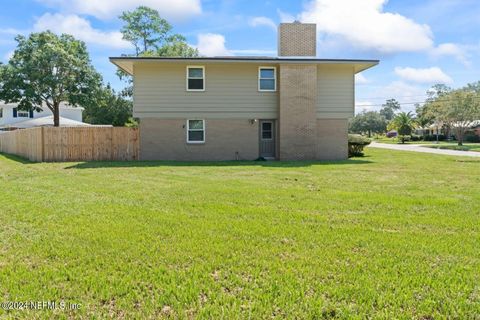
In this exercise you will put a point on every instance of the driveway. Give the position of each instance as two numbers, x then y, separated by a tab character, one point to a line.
419	148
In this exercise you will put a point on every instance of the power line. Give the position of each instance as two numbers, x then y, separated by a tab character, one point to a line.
408	103
397	97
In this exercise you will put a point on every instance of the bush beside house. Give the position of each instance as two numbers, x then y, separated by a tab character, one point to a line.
356	143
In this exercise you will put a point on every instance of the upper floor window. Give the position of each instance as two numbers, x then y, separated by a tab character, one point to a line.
195	78
267	79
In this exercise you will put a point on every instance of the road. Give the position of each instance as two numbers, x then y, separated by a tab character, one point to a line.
419	148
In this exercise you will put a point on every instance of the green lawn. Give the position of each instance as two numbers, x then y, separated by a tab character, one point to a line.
391	235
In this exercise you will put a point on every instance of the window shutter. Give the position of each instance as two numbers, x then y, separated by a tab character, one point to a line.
31	113
14	112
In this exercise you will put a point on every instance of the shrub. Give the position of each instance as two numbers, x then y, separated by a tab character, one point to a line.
472	138
403	139
415	137
356	143
433	137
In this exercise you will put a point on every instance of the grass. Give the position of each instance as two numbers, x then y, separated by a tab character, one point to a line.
466	147
392	235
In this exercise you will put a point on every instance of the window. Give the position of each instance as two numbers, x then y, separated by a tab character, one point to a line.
1	113
267	79
23	114
195	78
267	132
195	131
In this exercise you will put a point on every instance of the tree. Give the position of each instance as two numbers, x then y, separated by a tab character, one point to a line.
368	122
151	36
108	108
177	46
460	110
404	123
424	118
145	29
437	96
389	108
454	109
46	70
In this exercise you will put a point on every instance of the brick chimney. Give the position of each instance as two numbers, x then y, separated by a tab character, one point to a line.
298	92
297	39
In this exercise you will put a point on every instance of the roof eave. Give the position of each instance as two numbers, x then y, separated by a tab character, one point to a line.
126	63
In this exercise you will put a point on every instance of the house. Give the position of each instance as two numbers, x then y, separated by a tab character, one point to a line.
11	117
476	128
291	107
442	129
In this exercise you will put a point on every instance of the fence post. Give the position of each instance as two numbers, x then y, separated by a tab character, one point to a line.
111	144
43	145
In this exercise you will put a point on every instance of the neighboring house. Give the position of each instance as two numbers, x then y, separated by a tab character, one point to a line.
10	115
48	122
439	128
476	128
294	107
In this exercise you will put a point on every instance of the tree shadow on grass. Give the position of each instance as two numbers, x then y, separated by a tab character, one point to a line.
16	158
269	164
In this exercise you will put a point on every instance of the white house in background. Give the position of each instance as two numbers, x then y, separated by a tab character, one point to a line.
10	115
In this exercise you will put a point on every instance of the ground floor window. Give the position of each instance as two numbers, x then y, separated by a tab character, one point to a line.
195	131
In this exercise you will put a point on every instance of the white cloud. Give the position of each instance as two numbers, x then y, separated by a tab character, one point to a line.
212	44
263	21
366	26
81	29
108	9
407	94
453	50
428	75
360	79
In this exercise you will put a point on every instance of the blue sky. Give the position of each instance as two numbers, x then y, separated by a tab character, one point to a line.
419	43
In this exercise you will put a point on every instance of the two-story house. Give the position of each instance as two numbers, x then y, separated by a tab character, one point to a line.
291	107
11	117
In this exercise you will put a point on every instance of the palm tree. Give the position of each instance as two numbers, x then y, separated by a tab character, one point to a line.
404	123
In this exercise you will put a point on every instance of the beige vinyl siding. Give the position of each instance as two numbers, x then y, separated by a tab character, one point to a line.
231	91
336	92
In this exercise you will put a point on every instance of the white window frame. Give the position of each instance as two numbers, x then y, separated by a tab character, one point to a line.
26	114
188	77
260	78
204	131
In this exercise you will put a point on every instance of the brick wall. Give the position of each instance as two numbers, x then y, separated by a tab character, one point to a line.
298	102
225	139
332	139
297	40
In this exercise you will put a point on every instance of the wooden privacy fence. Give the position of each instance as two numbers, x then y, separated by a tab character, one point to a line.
50	144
